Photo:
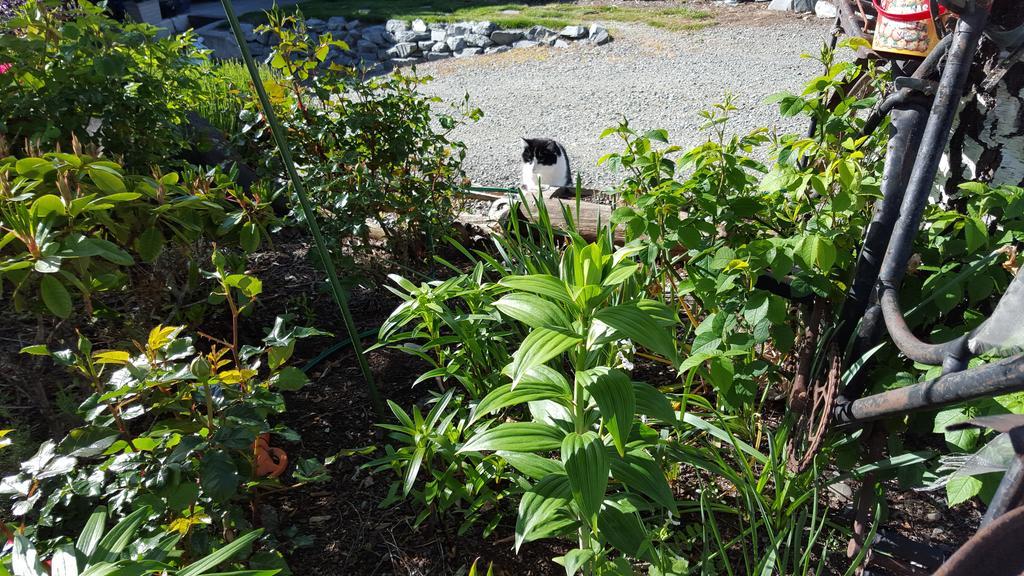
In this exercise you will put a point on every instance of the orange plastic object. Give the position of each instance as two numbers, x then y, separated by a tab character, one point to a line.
269	461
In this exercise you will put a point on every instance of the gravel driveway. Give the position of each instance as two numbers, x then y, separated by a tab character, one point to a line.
656	78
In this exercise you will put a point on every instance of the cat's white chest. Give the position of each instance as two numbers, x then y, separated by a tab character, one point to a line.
554	175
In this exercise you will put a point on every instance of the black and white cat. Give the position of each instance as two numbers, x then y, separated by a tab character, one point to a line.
545	161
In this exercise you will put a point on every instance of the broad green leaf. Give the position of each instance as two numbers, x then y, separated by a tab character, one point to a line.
960	489
249	237
532	310
55	296
289	379
532	465
653	403
34	168
36	350
25	559
586	464
964	439
46	205
109	251
575	560
613	392
220	556
541	511
120	536
622	527
540	284
976	233
149	244
526	391
106	179
218	476
92	533
620	274
632	322
63	561
516	437
641	475
537	348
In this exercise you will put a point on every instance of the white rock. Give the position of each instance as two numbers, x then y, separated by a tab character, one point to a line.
403	50
441	47
479	40
460	29
484	28
526	44
469	52
419	25
599	35
456	43
435	56
439	35
824	9
425	45
497	49
506	37
561	43
395	26
574	32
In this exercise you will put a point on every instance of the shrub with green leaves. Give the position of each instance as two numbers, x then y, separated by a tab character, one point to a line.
75	72
119	551
73	226
373	150
168	429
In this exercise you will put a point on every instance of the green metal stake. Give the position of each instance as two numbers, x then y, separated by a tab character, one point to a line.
307	209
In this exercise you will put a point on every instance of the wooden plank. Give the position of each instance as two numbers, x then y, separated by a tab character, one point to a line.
589	218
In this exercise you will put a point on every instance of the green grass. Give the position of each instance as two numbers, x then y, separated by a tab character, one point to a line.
550	14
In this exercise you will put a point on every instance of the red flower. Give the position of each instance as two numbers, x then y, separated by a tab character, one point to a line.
5	67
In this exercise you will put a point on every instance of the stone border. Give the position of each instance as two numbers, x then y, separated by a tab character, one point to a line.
378	47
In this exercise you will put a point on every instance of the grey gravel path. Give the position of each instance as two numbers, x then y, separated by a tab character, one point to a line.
658	79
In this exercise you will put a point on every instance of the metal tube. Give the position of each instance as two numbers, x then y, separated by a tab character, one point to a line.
916	350
989	380
936	136
927	66
906	130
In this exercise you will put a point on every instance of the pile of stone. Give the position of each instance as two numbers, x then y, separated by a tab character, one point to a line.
401	43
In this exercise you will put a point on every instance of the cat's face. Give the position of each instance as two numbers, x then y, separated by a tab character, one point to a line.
541	150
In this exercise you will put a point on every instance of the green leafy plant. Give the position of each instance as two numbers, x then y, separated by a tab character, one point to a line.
74	223
75	72
166	427
369	147
118	551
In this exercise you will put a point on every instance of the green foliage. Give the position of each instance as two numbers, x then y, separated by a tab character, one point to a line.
76	224
168	438
76	73
368	147
574	331
714	220
118	551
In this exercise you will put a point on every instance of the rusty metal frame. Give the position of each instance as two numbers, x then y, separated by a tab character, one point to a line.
872	303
